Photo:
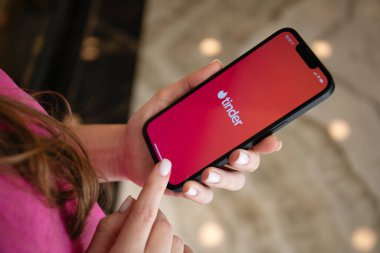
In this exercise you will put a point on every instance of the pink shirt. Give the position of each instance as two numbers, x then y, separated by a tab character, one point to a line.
26	223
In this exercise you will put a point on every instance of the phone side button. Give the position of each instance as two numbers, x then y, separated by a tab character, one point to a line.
221	163
198	178
248	145
281	125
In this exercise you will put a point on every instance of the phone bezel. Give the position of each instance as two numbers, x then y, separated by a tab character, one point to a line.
264	132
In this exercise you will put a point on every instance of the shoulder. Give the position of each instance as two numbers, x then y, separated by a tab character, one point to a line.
27	224
9	88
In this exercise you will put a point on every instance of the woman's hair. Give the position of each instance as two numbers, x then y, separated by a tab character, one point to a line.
50	158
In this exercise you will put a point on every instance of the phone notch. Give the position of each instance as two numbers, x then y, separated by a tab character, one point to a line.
307	55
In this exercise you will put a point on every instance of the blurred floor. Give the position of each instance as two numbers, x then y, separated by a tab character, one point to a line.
321	193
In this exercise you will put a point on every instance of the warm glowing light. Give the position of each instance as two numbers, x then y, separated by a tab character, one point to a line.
210	46
211	234
322	49
3	19
72	119
339	130
90	49
364	239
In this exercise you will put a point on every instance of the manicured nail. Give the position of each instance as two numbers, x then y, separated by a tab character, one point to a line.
191	192
279	146
216	60
164	167
125	205
243	158
213	178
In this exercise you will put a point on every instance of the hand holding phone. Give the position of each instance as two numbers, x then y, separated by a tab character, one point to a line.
135	161
257	94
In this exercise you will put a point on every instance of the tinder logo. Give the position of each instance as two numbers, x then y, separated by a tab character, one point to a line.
227	105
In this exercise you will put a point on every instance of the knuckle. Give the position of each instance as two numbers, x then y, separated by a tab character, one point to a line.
235	182
104	225
162	95
145	213
187	249
240	182
257	160
164	225
178	241
178	244
255	163
208	199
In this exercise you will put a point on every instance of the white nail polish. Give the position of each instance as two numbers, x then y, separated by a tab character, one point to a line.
216	60
213	178
243	158
125	205
279	146
164	167
191	192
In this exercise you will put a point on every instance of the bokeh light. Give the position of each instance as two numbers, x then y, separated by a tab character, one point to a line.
364	239
322	49
211	234
210	47
72	119
3	19
90	49
339	130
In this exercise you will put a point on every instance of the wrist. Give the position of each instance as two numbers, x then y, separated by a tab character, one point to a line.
104	145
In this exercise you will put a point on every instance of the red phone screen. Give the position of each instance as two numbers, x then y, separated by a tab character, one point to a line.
250	95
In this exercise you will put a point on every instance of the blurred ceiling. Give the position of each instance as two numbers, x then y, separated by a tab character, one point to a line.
85	50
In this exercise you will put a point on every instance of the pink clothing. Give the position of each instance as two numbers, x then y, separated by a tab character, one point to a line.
26	223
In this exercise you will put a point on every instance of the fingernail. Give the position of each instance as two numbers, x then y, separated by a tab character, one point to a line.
243	158
213	178
191	192
279	146
164	167
216	60
125	205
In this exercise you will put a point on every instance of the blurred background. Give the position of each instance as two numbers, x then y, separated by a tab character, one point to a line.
321	193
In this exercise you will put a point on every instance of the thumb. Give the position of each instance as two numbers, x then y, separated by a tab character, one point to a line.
171	93
193	79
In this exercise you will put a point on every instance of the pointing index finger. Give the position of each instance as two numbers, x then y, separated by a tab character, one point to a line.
144	210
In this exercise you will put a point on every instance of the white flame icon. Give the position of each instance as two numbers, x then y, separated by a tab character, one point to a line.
222	94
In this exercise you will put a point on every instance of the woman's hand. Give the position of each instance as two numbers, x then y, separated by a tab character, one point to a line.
135	154
139	226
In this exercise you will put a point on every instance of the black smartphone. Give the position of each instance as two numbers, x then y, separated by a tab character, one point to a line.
248	100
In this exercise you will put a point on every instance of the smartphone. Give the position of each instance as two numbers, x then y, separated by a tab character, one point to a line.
248	100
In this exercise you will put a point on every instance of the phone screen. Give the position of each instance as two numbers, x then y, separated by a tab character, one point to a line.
251	94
